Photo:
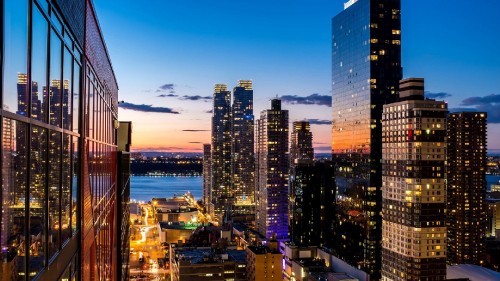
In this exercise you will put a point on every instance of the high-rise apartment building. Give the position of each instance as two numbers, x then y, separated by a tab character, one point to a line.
222	195
301	148
59	149
466	188
413	188
312	203
207	177
366	69
242	149
271	172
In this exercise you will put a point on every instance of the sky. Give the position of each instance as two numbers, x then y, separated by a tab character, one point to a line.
168	54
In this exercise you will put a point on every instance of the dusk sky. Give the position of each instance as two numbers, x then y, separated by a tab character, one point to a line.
167	55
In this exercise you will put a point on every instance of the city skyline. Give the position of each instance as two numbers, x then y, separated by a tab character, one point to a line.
286	51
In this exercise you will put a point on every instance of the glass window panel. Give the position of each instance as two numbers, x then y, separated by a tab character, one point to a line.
39	66
14	166
55	79
54	192
74	192
15	41
76	95
44	5
66	188
68	39
91	110
37	204
56	22
66	97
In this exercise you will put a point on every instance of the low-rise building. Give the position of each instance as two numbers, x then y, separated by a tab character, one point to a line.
264	262
204	263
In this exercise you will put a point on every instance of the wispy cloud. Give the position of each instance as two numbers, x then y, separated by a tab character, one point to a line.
322	148
439	96
166	95
316	99
489	104
195	98
167	87
146	108
195	142
209	111
194	131
319	122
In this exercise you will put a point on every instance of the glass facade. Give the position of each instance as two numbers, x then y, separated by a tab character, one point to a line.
366	69
42	133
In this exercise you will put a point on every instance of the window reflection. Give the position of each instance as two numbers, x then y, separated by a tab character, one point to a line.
66	188
14	57
39	66
14	165
54	192
55	79
66	97
74	192
38	160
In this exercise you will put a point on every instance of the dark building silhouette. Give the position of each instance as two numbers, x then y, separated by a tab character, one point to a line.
59	149
366	69
312	202
301	148
466	187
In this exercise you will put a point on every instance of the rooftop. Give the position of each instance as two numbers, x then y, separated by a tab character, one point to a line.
473	272
205	255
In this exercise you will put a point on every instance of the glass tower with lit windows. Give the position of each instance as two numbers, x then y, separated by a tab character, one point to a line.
59	162
366	69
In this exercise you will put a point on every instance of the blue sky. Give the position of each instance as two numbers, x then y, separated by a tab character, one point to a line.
186	46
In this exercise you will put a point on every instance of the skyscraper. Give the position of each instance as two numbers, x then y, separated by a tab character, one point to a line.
466	188
222	195
271	172
312	203
301	149
366	69
59	148
207	177
413	188
242	149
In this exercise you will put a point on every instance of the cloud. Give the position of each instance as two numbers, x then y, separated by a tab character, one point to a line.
196	98
438	96
167	87
319	122
491	99
323	148
146	108
489	104
209	111
462	109
194	131
166	95
197	142
311	99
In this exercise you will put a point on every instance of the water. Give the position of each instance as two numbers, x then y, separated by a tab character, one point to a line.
146	188
492	180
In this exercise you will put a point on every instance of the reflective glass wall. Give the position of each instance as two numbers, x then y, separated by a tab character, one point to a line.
40	107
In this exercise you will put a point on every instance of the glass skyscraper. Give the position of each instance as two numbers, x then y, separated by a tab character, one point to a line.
59	154
366	69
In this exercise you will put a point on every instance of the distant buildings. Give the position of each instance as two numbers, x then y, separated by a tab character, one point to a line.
413	186
264	262
466	187
366	69
271	172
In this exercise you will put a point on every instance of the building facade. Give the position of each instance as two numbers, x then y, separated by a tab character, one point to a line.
59	153
222	195
312	204
466	188
413	188
366	69
242	148
264	262
207	178
301	148
272	164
